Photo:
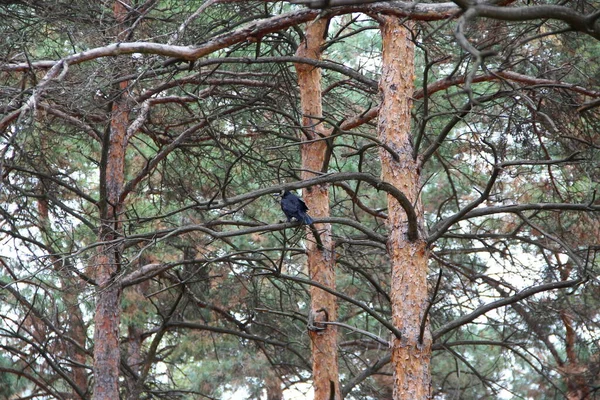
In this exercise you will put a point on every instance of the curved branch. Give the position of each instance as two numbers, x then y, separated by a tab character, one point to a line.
320	180
413	9
356	200
442	226
251	31
355	329
329	65
578	21
54	179
395	331
532	206
172	325
8	286
367	372
446	83
42	385
503	302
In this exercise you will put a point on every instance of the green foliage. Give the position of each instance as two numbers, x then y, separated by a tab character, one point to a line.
10	384
215	297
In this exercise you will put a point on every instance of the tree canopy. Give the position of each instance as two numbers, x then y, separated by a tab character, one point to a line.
141	142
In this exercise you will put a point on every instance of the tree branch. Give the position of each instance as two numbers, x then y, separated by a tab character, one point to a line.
503	302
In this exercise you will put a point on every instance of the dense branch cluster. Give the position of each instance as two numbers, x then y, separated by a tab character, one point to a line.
504	134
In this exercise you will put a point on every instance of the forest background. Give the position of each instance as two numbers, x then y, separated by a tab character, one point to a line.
448	152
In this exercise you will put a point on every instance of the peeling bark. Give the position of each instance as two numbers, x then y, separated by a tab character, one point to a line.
107	262
410	357
321	262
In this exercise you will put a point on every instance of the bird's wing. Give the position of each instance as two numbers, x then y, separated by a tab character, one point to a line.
302	206
289	206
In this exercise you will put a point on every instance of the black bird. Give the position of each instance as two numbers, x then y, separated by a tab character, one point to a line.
294	207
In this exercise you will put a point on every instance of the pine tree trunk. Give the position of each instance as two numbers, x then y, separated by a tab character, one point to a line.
107	317
410	357
574	371
135	360
321	263
73	318
107	262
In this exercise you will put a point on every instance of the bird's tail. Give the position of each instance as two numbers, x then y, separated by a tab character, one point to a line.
306	219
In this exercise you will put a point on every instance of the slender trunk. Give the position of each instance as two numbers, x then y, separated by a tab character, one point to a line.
108	260
74	324
135	359
108	302
573	369
410	356
321	262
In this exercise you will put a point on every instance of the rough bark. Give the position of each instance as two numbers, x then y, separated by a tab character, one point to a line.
410	356
321	262
107	262
573	370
